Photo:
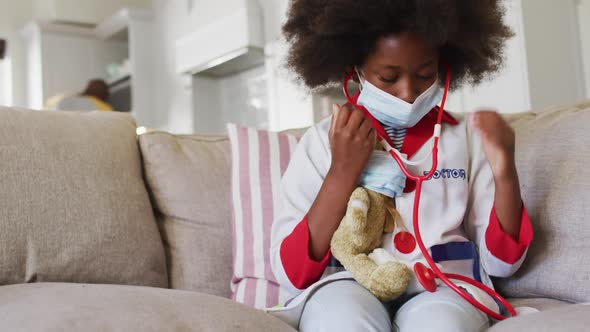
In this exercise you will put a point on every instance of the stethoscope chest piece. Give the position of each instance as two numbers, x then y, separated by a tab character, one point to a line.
425	276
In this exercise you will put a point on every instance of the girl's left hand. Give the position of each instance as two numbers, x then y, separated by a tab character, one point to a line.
498	142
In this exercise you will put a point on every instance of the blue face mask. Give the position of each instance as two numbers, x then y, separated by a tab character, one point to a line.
394	112
383	175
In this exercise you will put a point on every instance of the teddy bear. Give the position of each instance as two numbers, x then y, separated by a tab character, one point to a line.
369	214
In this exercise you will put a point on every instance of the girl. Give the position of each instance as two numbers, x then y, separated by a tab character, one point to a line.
471	215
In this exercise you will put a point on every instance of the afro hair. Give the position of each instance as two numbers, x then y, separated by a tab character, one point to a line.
328	37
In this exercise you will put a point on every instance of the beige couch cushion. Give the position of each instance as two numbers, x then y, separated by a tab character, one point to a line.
539	303
73	206
110	308
553	154
573	318
189	179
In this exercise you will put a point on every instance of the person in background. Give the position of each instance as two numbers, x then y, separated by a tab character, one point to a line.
94	97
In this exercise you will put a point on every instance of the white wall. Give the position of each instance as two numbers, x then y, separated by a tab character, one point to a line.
240	98
204	12
584	25
81	11
543	62
13	16
553	52
33	67
507	91
5	82
176	18
173	92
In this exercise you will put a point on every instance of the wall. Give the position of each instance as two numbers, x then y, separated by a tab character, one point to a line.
173	92
543	62
5	82
506	91
584	26
196	13
240	98
553	52
176	18
13	16
81	11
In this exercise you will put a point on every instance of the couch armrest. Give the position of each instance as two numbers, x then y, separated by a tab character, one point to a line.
575	317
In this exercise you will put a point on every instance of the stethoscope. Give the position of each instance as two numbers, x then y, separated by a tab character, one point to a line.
427	275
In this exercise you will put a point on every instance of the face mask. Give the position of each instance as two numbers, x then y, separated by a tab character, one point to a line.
394	112
383	175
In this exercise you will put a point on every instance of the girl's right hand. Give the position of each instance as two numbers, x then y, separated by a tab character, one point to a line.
352	140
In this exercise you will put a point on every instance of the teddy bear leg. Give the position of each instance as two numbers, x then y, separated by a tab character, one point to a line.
389	281
386	281
361	267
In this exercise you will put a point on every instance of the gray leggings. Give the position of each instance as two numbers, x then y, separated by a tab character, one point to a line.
345	305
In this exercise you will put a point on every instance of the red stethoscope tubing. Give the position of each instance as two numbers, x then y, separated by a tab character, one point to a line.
424	274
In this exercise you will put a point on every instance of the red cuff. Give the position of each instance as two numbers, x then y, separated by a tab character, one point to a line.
301	269
502	245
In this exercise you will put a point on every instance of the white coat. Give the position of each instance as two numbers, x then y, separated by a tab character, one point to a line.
456	206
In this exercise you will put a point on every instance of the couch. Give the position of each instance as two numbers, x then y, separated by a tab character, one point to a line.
104	230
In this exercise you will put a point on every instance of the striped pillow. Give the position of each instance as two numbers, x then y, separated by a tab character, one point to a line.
259	158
